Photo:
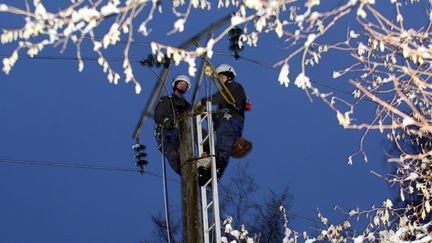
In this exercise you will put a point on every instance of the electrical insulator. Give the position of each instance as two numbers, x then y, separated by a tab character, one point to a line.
140	156
234	38
152	61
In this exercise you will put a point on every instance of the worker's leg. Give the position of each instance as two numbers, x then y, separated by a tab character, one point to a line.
171	146
227	134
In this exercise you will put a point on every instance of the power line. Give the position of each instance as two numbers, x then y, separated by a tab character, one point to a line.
120	169
292	75
138	43
114	59
77	166
216	53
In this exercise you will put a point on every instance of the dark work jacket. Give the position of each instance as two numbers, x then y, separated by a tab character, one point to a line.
164	109
239	95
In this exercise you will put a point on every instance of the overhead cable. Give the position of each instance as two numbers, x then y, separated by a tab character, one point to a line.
113	59
120	169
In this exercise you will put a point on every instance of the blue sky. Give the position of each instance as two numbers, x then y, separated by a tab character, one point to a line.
50	112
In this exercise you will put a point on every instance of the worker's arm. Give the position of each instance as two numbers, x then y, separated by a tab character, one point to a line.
237	92
216	99
239	95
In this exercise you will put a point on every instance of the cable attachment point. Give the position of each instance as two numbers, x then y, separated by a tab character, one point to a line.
140	155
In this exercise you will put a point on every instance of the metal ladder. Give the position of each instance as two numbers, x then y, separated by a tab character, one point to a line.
212	183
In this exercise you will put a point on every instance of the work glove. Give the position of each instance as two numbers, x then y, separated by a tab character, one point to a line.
168	123
199	108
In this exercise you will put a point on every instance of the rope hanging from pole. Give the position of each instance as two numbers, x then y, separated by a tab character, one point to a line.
165	188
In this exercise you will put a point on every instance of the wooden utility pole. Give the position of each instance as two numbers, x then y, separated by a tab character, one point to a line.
192	222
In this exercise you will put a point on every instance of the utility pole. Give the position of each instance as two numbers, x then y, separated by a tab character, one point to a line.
192	221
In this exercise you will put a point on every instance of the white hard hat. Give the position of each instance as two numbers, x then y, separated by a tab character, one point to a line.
181	78
225	68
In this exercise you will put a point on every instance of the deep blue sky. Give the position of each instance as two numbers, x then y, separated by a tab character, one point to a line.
50	112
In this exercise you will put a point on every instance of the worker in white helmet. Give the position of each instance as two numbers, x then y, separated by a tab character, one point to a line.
228	120
168	108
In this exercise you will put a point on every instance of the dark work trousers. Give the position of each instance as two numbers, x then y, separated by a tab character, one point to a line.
227	133
171	146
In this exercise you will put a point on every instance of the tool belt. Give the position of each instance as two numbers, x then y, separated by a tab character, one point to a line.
226	114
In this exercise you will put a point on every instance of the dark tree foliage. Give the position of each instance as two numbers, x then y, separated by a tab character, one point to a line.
159	228
268	221
236	192
262	219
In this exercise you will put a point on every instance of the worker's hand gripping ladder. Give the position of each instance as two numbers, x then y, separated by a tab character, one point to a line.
212	182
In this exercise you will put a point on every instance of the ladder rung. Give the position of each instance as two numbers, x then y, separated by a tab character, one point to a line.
209	205
203	118
203	141
205	138
210	228
208	182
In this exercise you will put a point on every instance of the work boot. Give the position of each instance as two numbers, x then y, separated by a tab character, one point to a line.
204	175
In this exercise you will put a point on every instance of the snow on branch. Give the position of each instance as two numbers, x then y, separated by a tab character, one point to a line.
387	65
79	22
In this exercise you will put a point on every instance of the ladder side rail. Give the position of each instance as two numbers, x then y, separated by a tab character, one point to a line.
205	214
215	199
204	209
